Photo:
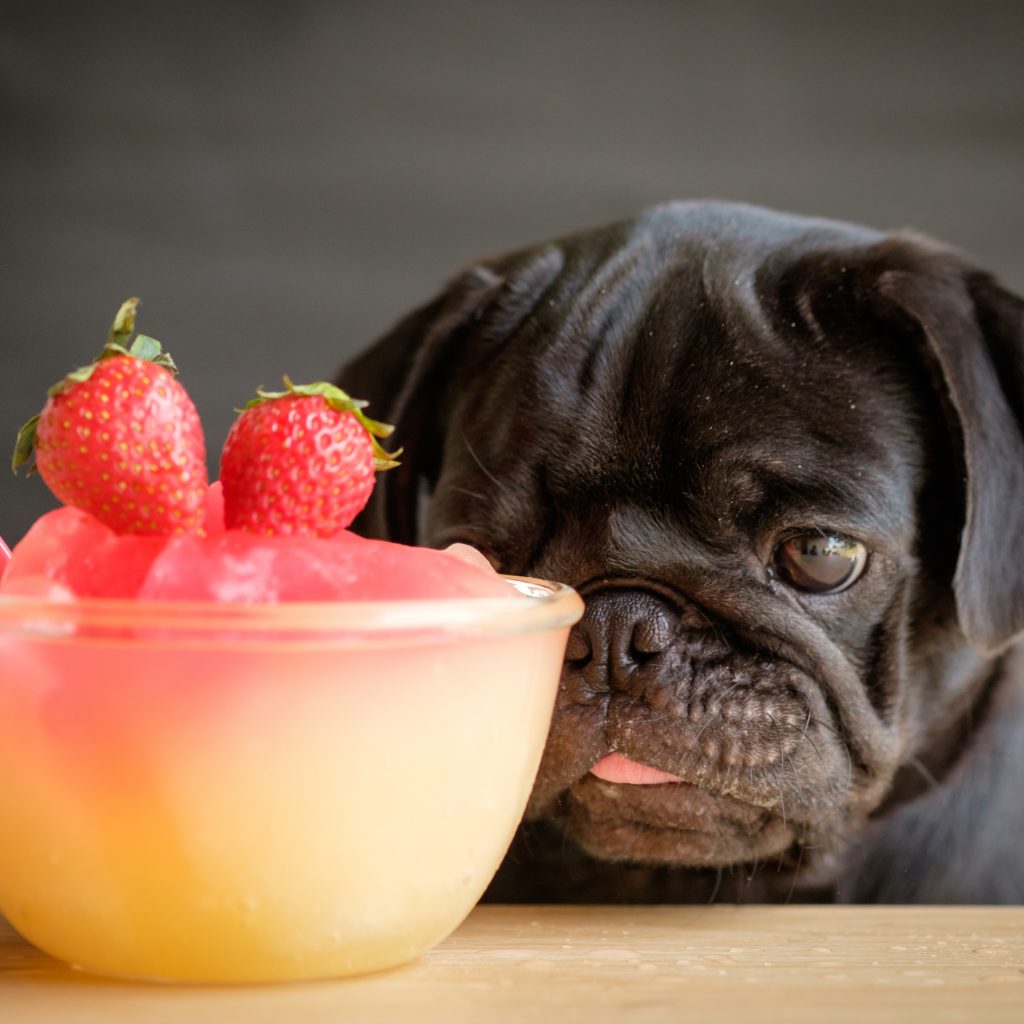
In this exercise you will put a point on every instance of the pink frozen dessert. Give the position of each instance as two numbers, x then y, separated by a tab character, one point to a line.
120	443
237	741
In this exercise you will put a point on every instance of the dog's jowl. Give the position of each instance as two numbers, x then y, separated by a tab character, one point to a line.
782	459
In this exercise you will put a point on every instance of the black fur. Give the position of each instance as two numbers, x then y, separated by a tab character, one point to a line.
646	411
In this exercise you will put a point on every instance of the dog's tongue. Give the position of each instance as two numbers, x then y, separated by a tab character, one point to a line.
617	767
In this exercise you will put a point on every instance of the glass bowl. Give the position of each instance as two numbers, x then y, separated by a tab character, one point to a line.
218	793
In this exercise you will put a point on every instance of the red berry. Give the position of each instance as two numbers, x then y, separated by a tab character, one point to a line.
121	439
300	461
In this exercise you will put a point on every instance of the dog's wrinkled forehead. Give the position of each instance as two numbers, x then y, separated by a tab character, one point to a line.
683	362
703	359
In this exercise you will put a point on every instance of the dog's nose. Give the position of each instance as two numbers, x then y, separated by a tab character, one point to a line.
621	630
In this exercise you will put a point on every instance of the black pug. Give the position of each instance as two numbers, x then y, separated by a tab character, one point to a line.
782	459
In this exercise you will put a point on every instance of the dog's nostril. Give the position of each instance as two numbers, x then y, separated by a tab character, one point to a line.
578	650
652	635
622	630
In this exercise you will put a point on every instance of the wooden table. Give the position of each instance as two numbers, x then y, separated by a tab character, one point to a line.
626	964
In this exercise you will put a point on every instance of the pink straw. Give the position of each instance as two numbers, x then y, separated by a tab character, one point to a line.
5	556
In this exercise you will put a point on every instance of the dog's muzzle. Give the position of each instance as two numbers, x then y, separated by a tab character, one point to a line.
742	734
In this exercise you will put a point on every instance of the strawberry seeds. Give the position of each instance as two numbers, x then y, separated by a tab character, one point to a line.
121	440
300	461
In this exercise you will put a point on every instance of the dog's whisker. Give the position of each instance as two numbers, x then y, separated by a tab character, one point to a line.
483	469
718	885
469	493
922	769
805	737
843	745
778	780
796	872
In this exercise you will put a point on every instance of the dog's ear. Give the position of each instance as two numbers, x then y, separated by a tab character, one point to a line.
407	376
402	376
973	331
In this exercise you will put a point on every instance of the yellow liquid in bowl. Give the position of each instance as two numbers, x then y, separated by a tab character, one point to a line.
208	813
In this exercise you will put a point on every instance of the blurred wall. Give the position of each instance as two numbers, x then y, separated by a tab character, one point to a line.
281	181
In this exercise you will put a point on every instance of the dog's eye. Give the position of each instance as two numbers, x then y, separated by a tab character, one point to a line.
820	563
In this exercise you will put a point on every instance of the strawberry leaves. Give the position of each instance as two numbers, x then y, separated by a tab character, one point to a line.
301	461
25	445
118	343
342	402
120	438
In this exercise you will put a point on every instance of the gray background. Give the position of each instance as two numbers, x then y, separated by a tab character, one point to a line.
281	181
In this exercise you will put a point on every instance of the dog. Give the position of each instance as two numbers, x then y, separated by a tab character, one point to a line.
782	459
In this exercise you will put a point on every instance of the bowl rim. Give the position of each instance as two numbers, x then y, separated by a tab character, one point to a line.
539	606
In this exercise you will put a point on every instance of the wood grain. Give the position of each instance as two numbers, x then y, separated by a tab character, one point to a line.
624	964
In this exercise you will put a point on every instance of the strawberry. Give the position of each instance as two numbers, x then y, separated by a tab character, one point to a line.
300	461
121	439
